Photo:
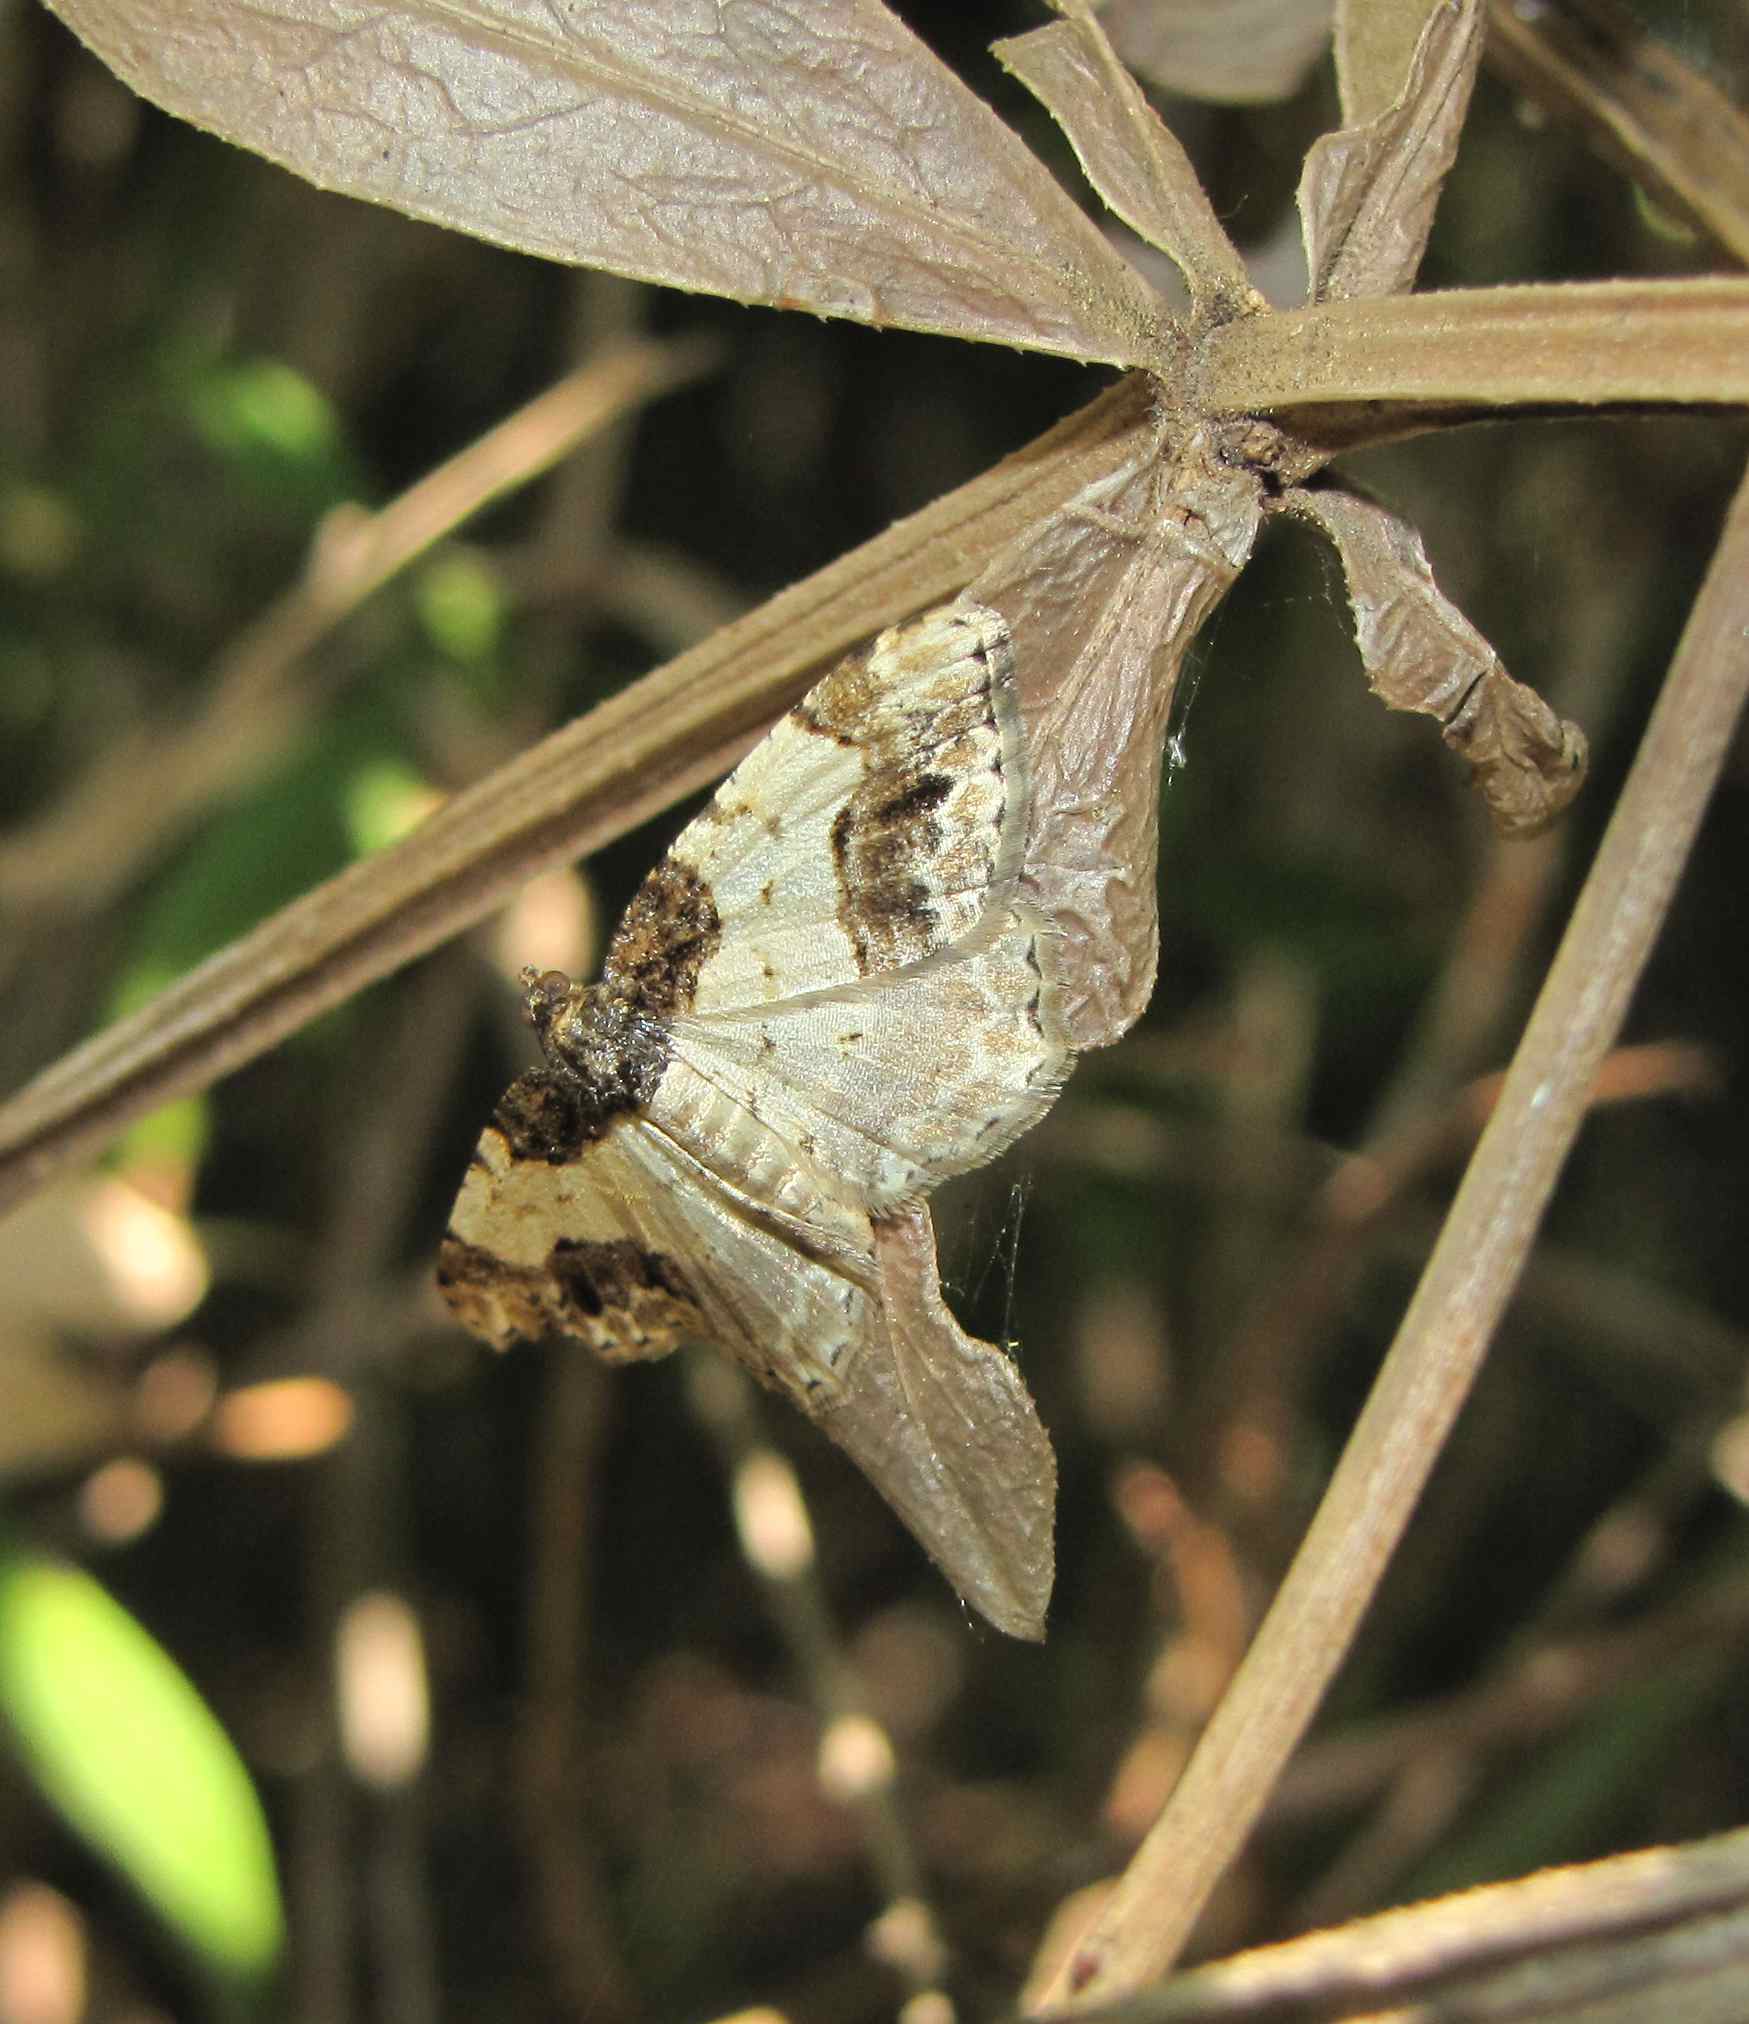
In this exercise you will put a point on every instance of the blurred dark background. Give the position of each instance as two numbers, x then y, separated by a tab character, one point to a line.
617	1812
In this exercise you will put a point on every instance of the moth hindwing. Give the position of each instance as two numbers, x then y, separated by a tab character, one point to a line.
827	998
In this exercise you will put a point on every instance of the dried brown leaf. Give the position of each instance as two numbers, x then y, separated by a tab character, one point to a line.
1104	598
944	1427
1374	45
1130	156
813	157
1230	52
1421	653
1368	192
1525	762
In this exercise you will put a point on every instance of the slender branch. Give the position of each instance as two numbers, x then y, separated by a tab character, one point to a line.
142	791
1444	1335
1645	107
1539	1690
1639	1929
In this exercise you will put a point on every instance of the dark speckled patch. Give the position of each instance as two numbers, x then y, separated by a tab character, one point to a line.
624	1302
920	706
669	933
550	1116
609	1041
883	902
914	802
633	1302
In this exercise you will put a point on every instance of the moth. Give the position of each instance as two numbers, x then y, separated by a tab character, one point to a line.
827	998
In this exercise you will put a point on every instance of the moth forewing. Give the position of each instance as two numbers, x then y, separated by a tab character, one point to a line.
825	999
875	824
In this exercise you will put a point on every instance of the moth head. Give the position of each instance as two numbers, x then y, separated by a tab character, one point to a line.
545	995
582	1033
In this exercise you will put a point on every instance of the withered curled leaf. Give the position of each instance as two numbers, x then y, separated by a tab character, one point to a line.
1130	156
1421	653
1368	192
1104	599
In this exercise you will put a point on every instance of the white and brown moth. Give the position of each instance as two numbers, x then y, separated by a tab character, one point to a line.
828	997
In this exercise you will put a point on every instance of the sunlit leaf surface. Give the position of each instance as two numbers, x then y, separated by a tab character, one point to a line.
127	1751
816	158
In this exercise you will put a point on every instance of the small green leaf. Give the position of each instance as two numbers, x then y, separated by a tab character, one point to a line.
262	405
385	799
175	1135
461	605
275	431
125	1749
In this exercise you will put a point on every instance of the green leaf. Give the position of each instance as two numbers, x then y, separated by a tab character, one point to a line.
384	799
460	603
130	1755
272	426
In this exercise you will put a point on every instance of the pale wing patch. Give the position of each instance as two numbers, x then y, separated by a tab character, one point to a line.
892	1085
552	1242
844	1317
826	998
871	825
633	1247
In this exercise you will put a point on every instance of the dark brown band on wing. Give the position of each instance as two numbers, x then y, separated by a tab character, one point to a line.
550	1115
602	1277
668	934
887	840
883	904
624	1302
